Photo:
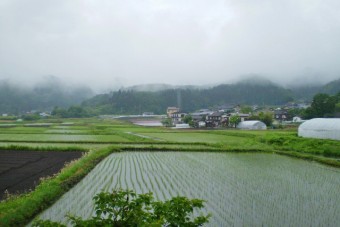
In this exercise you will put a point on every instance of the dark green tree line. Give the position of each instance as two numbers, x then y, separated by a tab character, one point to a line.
323	105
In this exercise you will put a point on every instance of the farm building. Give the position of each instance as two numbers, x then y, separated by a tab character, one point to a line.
322	128
255	125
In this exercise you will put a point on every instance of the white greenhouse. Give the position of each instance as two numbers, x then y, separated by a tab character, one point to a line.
254	125
322	128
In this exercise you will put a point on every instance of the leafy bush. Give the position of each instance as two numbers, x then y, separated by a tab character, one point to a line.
126	208
31	117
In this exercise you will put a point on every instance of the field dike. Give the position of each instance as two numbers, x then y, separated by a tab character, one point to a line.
20	210
309	157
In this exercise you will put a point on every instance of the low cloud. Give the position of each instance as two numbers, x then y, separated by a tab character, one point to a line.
120	43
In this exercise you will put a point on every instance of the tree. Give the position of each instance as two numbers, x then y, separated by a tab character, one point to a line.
266	118
188	120
59	112
167	122
246	109
126	208
31	117
323	105
73	111
337	108
295	112
234	120
77	111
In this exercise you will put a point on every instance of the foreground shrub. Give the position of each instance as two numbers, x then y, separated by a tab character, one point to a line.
126	208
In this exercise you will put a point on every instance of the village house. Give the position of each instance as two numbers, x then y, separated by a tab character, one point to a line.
214	119
201	115
177	117
43	114
171	110
243	117
281	115
227	108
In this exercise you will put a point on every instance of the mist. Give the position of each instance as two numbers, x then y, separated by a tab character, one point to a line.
49	92
110	44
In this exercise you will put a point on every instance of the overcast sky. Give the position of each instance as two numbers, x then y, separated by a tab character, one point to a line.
113	43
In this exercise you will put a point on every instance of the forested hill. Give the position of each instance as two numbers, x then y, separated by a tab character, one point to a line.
307	92
15	99
134	102
331	88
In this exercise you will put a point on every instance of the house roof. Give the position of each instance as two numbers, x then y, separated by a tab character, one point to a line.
216	114
281	112
172	108
240	114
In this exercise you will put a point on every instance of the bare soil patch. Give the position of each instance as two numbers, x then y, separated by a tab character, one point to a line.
21	171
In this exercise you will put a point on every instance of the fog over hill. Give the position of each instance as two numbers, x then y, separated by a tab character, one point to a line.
51	91
251	91
16	98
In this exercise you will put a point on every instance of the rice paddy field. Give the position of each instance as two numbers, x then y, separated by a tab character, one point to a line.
240	189
246	177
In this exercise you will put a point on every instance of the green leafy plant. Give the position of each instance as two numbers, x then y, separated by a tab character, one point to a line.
167	122
126	208
234	120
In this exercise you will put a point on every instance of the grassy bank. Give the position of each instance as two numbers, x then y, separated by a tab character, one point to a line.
327	148
309	157
13	147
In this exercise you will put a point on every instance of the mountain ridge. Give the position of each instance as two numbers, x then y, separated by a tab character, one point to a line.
155	98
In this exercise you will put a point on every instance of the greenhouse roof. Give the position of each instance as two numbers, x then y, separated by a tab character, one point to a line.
322	128
321	124
252	125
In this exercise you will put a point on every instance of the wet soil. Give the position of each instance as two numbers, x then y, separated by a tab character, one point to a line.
21	171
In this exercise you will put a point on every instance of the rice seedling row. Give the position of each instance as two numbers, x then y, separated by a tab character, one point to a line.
240	189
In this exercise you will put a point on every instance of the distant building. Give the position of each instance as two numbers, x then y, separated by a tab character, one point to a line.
43	114
281	115
148	113
214	119
182	126
243	117
297	119
227	108
177	117
171	110
201	124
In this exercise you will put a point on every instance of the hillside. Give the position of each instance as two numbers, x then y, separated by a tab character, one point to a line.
15	99
134	102
307	92
331	88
